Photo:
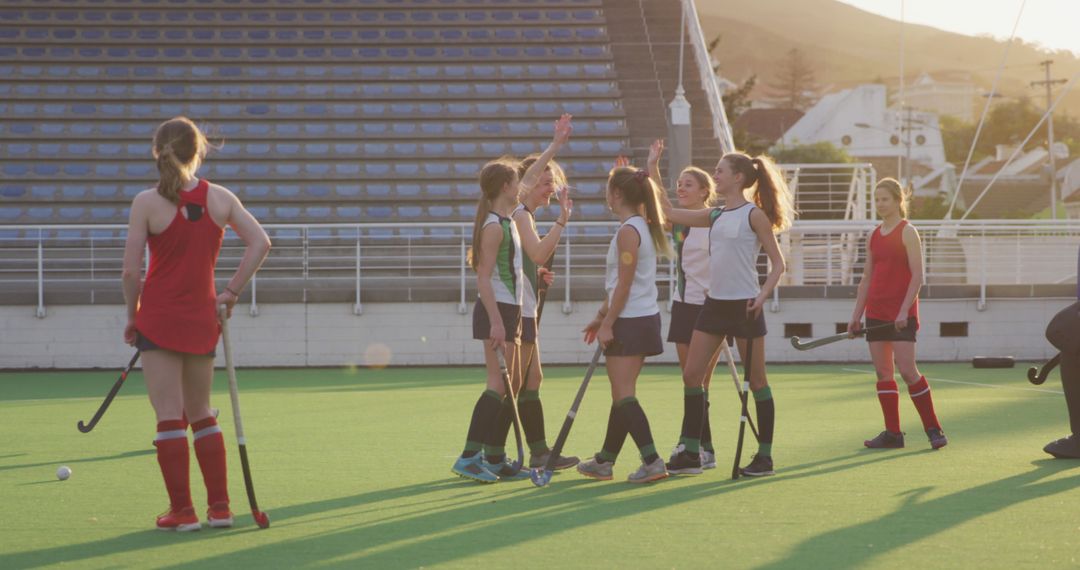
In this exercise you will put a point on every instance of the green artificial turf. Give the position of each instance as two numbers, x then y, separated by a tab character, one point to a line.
353	467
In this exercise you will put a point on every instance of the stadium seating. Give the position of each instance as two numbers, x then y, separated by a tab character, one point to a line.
324	110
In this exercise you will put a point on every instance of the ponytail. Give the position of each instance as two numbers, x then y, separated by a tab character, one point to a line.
179	149
639	190
494	176
770	190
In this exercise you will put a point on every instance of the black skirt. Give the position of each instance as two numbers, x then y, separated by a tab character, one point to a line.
636	336
683	318
511	319
729	318
890	333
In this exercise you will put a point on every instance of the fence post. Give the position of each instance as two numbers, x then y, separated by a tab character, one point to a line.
671	283
93	285
40	276
567	308
253	310
357	309
981	305
462	308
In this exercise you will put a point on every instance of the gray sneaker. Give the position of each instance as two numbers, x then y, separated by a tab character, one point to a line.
654	471
708	459
595	469
539	461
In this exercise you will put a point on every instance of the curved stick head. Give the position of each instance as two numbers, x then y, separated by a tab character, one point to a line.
540	477
795	341
516	465
1035	377
83	427
261	519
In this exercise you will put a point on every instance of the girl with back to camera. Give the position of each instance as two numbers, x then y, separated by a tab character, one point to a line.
628	323
889	293
173	318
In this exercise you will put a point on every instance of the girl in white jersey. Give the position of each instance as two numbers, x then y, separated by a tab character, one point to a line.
737	232
538	251
695	190
628	324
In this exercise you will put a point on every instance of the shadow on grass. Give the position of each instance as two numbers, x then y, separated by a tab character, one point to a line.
125	455
834	549
438	534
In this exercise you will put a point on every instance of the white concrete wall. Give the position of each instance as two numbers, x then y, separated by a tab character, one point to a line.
435	334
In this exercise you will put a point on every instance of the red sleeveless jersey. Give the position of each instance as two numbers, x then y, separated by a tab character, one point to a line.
176	307
890	277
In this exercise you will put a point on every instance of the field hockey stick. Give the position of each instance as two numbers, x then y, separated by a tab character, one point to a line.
513	404
1037	376
85	428
738	385
743	419
800	345
541	296
261	518
541	477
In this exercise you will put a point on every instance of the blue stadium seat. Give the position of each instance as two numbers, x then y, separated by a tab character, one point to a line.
10	213
12	191
348	213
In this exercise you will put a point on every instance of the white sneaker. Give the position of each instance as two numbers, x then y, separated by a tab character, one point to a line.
654	471
708	460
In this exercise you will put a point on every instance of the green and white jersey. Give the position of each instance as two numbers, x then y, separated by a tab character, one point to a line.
530	284
506	278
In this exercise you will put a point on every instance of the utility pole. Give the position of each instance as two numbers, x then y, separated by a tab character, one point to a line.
1049	84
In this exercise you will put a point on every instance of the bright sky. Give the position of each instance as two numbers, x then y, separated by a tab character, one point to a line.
1053	23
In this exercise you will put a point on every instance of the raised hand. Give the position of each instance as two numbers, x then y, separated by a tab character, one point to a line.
566	205
656	150
622	161
563	129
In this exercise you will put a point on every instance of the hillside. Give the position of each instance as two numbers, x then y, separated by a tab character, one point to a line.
849	46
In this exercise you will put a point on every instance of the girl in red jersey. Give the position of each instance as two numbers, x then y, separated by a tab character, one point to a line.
172	316
889	292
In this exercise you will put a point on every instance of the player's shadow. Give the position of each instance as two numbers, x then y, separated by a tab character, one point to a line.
893	531
151	538
434	533
125	455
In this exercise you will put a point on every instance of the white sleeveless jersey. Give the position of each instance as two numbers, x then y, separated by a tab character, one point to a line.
692	280
733	251
642	299
506	276
529	283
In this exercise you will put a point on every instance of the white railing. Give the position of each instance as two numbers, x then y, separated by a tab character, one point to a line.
721	127
361	262
832	191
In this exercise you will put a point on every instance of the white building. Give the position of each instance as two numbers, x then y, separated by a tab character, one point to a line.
946	98
860	121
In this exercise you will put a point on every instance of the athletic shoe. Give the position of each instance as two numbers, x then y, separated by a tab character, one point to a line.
1064	448
183	520
219	516
654	471
470	468
685	464
937	438
886	440
539	461
675	451
708	459
595	469
506	472
760	466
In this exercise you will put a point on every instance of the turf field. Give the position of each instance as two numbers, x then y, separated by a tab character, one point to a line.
353	467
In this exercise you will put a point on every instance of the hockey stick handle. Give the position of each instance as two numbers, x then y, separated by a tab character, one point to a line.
513	404
800	345
747	363
85	428
564	432
230	370
730	358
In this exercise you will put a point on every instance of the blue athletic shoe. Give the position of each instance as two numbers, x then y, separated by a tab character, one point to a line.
506	472
471	468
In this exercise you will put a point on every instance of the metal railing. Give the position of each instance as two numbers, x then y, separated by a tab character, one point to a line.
832	191
361	263
721	128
